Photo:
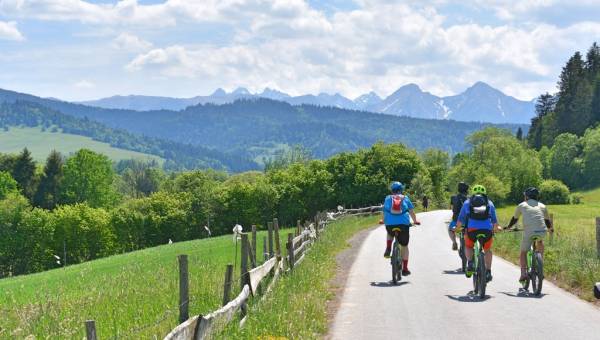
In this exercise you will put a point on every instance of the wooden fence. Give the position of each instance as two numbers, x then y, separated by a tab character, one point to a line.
253	277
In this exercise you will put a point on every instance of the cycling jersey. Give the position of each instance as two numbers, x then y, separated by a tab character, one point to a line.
534	213
396	219
487	224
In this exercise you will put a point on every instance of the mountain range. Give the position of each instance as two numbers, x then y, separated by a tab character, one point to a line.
479	103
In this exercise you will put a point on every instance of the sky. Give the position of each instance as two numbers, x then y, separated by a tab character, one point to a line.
80	50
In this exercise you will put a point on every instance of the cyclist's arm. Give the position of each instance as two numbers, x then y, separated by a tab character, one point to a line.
494	218
547	220
414	216
462	218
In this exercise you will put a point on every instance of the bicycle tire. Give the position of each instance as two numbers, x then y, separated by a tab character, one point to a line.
395	265
539	274
529	271
475	274
482	277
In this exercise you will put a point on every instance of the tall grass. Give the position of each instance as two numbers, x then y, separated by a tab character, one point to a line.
133	295
570	259
297	307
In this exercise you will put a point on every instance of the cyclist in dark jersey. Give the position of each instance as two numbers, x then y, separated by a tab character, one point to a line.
456	203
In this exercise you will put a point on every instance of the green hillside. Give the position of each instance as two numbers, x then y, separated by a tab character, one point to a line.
41	143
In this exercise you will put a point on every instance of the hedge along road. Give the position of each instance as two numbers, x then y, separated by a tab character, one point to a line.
433	302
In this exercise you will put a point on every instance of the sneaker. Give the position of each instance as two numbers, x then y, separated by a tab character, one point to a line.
469	271
488	276
387	253
405	272
454	246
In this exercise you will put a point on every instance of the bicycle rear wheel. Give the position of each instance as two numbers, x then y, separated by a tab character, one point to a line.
396	270
481	271
537	276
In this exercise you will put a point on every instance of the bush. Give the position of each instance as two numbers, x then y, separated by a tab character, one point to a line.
554	192
576	199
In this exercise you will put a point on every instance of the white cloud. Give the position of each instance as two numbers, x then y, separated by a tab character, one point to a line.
9	31
130	42
84	85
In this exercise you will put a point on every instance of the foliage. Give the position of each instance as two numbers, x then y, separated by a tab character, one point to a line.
48	191
565	163
7	184
554	192
23	172
88	177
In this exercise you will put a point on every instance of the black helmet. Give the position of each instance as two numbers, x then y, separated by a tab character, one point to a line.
532	193
597	290
463	188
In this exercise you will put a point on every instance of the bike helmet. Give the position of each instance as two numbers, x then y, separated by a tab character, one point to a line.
597	290
397	187
463	187
479	190
532	193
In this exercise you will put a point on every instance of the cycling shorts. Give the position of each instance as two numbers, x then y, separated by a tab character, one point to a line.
471	236
403	235
527	240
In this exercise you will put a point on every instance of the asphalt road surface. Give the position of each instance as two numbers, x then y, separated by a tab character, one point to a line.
434	302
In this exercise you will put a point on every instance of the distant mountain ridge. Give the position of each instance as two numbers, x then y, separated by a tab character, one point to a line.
479	103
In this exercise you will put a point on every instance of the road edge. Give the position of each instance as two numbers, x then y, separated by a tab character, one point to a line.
344	261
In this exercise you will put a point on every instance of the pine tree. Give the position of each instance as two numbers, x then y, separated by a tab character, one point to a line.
592	62
24	173
48	192
520	134
544	105
595	109
569	108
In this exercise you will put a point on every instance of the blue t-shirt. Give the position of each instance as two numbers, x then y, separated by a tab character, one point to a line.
396	219
477	224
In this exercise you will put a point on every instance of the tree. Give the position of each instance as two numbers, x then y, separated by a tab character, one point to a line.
88	177
24	173
519	134
7	185
591	157
565	164
48	192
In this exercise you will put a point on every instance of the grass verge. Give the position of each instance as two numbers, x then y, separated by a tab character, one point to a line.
297	306
571	260
133	295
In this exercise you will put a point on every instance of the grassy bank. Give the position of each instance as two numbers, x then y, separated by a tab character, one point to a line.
133	295
297	307
570	259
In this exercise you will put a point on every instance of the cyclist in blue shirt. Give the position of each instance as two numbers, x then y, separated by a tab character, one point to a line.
397	211
478	214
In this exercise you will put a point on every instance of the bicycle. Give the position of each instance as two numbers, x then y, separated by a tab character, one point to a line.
535	267
479	277
396	258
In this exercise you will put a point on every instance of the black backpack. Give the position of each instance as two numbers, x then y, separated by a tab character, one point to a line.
479	208
457	204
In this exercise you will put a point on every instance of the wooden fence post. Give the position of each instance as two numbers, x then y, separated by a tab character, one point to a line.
598	235
316	223
184	289
298	223
265	251
290	250
254	255
277	240
244	261
553	226
227	285
90	330
270	234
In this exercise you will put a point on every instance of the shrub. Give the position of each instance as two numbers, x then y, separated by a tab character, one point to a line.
576	199
554	192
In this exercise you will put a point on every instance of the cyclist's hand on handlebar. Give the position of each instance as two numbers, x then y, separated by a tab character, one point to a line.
417	223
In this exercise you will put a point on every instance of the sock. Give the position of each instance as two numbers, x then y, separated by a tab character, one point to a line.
388	244
405	264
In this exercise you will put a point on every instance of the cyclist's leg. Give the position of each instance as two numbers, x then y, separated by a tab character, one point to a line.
452	233
388	241
403	239
525	245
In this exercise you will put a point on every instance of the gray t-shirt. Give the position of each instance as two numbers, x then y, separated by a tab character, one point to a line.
534	213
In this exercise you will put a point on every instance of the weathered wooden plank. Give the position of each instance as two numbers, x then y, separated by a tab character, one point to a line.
258	274
298	252
185	331
227	285
299	260
90	330
215	321
184	282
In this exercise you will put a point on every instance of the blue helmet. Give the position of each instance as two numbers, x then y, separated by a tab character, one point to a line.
397	187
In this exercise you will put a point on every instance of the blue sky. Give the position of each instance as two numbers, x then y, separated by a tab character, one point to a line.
77	50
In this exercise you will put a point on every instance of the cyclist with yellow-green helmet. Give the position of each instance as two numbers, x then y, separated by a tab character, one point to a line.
478	215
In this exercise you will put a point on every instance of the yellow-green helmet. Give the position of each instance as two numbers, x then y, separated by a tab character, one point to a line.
479	189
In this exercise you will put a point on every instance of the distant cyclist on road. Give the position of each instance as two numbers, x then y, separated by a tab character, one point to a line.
478	214
425	202
396	210
535	222
456	203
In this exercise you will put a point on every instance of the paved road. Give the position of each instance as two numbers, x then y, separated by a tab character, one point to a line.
432	302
